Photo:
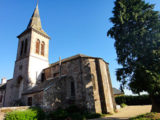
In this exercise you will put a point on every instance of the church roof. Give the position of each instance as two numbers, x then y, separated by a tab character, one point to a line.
35	24
75	57
35	20
42	86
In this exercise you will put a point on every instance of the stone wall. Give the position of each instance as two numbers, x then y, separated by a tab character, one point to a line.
71	69
9	93
93	88
55	95
88	94
111	88
5	109
96	88
77	71
100	92
37	99
106	87
2	95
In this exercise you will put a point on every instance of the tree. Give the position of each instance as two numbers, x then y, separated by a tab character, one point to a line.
136	30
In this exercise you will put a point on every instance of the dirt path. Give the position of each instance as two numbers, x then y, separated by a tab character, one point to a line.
128	112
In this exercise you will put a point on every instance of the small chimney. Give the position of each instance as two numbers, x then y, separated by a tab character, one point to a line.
3	80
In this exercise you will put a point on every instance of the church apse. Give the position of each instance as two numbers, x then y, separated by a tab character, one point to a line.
77	84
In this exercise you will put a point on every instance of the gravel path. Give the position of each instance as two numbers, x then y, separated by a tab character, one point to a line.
1	116
128	112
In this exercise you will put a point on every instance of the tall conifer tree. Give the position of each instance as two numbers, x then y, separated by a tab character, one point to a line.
136	30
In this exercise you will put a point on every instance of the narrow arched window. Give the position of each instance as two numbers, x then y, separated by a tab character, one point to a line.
20	85
37	46
1	98
72	89
22	45
29	101
25	47
42	77
42	48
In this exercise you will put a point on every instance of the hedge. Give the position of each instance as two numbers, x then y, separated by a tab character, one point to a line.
133	100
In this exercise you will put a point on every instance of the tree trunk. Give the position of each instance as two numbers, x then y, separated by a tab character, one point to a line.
155	104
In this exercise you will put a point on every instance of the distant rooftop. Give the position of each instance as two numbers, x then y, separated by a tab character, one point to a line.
117	91
2	86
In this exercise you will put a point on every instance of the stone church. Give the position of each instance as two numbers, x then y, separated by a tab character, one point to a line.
80	80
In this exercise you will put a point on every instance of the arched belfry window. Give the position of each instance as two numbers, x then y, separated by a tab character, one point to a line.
19	79
42	48
25	47
22	46
37	46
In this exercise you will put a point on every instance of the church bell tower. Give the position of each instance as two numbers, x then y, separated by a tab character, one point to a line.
32	57
32	54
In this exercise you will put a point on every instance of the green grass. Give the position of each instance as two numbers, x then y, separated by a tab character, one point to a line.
148	116
22	115
30	114
123	105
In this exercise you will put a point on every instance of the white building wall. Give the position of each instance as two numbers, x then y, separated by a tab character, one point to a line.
35	68
37	62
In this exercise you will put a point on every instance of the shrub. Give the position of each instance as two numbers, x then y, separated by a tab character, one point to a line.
75	109
59	114
93	115
133	100
77	116
72	113
40	113
148	116
30	114
123	105
22	115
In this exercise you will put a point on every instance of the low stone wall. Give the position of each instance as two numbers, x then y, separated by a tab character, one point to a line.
9	109
4	110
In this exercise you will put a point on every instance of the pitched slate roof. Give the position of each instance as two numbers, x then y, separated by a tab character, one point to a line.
2	86
35	20
35	24
75	57
117	91
42	86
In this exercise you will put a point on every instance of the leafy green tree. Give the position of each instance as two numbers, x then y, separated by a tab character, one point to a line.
136	30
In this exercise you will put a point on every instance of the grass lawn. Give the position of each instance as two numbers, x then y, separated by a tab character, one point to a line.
148	116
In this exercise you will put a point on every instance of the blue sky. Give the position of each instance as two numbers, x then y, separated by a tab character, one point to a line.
75	26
